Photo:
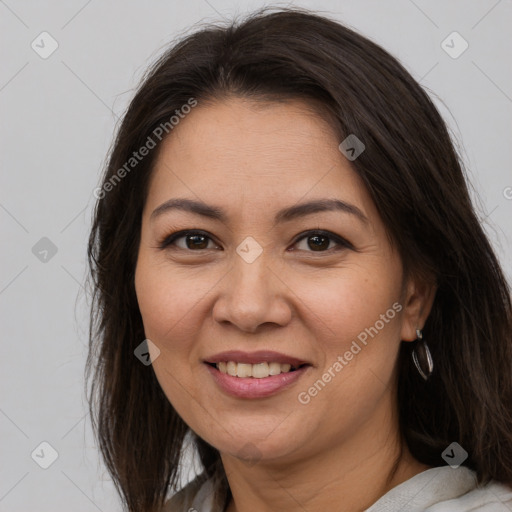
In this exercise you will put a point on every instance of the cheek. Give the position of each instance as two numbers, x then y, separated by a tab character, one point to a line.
356	326
162	306
356	321
343	308
171	306
166	300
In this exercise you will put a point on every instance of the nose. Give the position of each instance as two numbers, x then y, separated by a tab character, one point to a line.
252	295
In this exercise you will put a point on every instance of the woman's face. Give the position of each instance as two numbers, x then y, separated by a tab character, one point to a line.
259	281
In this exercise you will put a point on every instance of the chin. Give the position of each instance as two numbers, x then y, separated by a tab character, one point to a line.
253	445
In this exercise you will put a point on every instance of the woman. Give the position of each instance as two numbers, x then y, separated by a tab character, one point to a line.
285	233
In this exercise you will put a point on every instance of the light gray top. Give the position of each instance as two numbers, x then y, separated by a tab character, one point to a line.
441	489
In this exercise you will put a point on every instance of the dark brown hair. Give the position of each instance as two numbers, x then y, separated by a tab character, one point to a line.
416	179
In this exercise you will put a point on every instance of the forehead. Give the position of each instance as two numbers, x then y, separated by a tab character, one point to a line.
253	154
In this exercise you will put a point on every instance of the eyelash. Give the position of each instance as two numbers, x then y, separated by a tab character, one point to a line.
169	240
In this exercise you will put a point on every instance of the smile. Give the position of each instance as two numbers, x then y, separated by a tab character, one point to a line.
255	380
256	371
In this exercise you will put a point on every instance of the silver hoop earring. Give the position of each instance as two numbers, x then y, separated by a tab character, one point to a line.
422	357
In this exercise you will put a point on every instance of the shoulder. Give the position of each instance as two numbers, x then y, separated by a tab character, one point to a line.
446	489
199	495
183	499
492	497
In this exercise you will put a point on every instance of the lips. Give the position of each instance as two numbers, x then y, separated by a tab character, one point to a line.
242	384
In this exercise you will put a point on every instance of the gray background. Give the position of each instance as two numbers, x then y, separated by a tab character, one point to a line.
58	117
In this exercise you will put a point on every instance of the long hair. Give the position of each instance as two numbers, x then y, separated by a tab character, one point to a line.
417	182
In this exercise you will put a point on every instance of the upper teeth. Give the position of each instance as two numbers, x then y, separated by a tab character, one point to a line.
258	371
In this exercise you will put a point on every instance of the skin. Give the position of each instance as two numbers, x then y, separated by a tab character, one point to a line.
252	159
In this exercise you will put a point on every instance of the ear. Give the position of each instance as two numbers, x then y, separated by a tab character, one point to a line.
417	300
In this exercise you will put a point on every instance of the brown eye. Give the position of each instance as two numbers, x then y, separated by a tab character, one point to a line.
318	242
196	241
321	242
187	240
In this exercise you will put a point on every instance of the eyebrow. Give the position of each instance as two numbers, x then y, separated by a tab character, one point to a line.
284	215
